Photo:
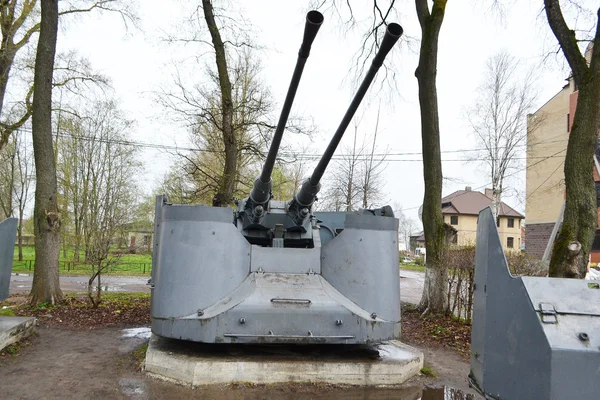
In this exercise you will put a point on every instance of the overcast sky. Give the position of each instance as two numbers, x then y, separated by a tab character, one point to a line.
138	62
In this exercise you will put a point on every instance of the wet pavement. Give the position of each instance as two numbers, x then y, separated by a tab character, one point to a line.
21	283
411	284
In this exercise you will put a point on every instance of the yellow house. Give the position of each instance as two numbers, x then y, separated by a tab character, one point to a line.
461	211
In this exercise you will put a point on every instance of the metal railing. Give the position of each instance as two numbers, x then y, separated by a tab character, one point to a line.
68	266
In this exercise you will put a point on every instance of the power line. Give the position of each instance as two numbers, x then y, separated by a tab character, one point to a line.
507	176
541	184
298	156
307	156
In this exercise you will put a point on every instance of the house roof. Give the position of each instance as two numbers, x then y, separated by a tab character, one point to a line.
472	202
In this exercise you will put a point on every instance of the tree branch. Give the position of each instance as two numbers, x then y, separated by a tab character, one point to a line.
567	40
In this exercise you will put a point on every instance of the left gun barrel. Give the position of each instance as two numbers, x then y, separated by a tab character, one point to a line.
262	186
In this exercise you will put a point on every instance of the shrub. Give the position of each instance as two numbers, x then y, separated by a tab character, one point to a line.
522	264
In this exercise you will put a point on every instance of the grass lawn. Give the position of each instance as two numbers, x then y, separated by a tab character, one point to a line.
412	267
127	264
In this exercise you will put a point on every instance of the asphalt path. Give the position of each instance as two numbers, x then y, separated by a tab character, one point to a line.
411	284
21	283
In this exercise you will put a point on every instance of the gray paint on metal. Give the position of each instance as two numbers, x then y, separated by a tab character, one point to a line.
288	321
514	354
366	221
198	261
287	260
8	234
207	279
363	265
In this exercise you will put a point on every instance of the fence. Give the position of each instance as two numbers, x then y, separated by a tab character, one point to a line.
67	266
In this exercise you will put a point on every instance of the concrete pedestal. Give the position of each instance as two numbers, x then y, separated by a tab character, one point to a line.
13	329
196	364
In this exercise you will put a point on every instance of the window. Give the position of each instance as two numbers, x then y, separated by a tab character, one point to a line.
597	193
510	242
596	244
498	222
454	220
511	222
568	122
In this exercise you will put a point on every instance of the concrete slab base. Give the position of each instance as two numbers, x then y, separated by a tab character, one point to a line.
13	329
195	364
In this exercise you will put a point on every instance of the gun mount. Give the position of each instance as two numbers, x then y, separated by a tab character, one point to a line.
531	337
8	233
274	271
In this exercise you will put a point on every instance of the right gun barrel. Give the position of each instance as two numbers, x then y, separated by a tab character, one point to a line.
307	193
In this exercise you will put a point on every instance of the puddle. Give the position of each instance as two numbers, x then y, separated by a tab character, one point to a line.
20	274
391	352
132	387
140	333
446	393
108	288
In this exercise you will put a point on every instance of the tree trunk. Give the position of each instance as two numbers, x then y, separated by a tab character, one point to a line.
581	212
436	285
46	286
224	195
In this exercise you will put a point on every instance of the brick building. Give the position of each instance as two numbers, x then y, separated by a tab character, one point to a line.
547	138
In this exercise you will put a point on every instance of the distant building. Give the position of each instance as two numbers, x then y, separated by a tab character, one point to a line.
547	138
417	241
461	210
138	237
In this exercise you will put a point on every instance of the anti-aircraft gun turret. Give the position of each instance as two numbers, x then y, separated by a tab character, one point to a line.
273	270
293	217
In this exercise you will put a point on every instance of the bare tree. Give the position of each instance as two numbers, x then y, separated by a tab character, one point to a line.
45	287
498	118
22	193
406	226
355	179
574	241
111	194
200	108
86	165
287	178
18	23
343	189
371	172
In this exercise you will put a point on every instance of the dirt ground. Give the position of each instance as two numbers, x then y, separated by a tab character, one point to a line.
63	363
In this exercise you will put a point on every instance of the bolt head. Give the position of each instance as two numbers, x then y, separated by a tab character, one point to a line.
200	313
339	322
374	315
242	320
